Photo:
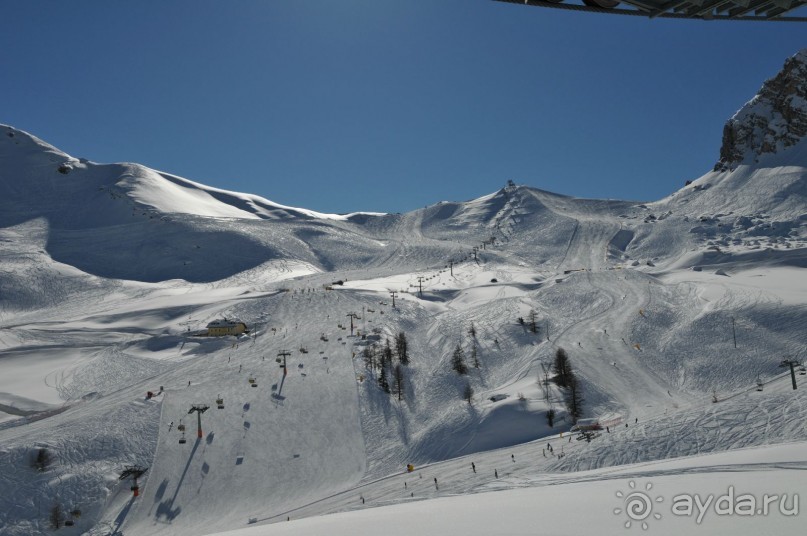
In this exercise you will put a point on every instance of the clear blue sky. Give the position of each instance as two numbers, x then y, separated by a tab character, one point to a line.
384	105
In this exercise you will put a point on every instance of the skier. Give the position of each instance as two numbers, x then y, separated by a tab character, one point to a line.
513	457
570	438
473	466
189	383
496	473
170	426
607	429
636	421
435	483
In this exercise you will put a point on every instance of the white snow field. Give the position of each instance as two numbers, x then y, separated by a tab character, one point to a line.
671	312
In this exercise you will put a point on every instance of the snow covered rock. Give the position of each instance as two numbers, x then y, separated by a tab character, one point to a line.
776	118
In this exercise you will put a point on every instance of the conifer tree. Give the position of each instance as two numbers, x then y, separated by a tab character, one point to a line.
387	354
468	393
474	356
562	368
458	361
382	380
369	355
398	375
574	398
401	348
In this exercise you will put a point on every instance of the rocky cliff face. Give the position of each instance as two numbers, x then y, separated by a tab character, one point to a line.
772	121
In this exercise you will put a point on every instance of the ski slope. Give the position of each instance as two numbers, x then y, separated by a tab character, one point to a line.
671	312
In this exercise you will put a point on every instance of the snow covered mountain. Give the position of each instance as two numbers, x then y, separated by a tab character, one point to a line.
108	272
775	119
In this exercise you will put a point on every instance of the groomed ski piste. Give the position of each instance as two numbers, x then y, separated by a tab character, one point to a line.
676	316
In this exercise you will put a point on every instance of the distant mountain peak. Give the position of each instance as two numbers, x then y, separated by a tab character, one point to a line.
775	119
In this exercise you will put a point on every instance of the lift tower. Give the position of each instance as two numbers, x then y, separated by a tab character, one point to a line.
199	409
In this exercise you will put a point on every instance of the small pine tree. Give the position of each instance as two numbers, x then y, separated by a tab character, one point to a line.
398	376
562	368
41	460
401	348
550	417
472	331
474	356
574	398
369	355
533	324
382	380
56	516
387	354
458	361
468	393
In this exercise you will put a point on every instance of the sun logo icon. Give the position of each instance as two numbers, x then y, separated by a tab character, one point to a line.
638	505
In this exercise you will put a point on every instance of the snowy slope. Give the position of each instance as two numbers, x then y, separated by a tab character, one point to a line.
108	271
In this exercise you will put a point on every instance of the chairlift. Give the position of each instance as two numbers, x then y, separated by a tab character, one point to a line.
253	382
220	402
802	370
181	427
759	384
182	439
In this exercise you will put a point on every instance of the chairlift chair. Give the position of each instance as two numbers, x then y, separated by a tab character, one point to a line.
220	402
182	439
181	427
